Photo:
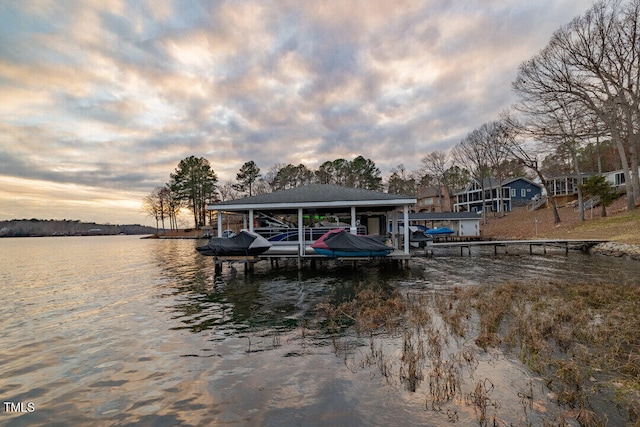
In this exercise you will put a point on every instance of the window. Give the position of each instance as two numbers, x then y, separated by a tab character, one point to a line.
523	192
513	192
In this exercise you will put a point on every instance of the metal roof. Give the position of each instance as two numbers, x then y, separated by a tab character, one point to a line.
443	216
315	196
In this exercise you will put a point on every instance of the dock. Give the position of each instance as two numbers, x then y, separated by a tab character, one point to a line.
395	257
567	244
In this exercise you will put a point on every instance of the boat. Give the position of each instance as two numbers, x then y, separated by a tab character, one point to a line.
418	238
340	243
244	243
439	231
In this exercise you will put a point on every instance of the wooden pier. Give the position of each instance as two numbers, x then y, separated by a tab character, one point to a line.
566	244
399	258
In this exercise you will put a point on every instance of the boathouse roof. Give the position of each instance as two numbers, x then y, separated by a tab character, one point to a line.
443	216
315	196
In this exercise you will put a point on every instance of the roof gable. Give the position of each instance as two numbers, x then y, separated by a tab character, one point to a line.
521	178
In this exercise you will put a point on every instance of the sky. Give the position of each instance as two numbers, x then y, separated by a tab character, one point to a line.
100	100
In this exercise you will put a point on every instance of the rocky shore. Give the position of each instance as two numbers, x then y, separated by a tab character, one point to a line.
617	250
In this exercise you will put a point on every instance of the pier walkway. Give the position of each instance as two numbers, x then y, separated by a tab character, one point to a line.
566	244
400	258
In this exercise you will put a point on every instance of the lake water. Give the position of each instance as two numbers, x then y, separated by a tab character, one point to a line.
118	330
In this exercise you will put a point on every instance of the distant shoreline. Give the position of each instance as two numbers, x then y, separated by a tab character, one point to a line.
56	228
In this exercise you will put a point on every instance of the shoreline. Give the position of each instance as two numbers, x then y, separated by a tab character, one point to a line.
618	250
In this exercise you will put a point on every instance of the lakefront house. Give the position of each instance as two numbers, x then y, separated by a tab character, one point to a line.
498	197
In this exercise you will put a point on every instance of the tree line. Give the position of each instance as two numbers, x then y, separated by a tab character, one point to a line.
577	110
194	185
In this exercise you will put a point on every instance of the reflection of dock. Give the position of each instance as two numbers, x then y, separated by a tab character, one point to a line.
566	244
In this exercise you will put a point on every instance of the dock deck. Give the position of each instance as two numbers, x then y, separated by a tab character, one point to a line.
400	258
567	244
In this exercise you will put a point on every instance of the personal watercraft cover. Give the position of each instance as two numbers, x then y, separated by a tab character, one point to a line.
339	242
243	243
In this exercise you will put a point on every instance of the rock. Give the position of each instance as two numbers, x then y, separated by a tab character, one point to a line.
617	250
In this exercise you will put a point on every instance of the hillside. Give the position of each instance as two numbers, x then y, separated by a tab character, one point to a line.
620	225
40	227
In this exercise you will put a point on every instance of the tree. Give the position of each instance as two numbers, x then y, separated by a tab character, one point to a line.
151	206
598	186
401	181
457	177
333	172
363	173
248	174
291	176
471	155
594	62
357	173
435	165
195	183
528	154
227	191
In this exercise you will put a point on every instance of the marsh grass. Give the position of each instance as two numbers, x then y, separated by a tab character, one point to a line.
584	340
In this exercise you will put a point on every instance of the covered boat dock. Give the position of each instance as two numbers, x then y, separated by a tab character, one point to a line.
303	213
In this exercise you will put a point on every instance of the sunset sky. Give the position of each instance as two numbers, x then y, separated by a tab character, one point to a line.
100	100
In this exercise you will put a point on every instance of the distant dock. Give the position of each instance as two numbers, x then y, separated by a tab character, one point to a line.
566	244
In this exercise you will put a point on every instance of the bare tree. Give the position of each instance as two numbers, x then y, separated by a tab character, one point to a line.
494	141
528	153
470	154
436	164
152	206
594	61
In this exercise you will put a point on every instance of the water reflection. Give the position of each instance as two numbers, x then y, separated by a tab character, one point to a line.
276	311
120	331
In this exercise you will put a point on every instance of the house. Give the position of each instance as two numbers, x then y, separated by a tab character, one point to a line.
433	199
567	185
617	178
522	191
498	197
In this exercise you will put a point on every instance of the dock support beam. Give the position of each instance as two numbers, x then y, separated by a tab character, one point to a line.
405	220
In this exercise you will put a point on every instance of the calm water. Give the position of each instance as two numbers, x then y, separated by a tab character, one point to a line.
124	331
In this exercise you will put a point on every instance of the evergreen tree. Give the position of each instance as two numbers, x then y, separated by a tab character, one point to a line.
598	186
195	183
248	174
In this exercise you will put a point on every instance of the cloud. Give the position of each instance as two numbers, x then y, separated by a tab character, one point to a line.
112	95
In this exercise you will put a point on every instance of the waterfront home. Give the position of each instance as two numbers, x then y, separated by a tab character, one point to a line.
617	179
433	199
496	196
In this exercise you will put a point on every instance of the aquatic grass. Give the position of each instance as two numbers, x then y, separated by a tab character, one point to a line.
480	400
583	338
413	354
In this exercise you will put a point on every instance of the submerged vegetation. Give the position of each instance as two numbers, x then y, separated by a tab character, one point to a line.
581	339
